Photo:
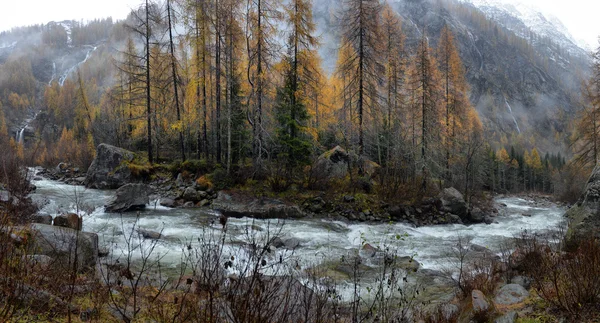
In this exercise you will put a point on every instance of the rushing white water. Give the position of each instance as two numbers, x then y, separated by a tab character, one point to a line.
53	73
321	240
19	137
512	115
64	77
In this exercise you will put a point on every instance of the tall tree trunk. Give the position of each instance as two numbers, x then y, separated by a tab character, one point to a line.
175	81
148	94
218	78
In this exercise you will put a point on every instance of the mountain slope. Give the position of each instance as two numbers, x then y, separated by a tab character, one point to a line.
523	87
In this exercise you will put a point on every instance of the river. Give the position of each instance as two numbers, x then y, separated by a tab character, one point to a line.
320	240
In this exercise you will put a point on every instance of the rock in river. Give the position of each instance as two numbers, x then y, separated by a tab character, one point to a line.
129	197
109	170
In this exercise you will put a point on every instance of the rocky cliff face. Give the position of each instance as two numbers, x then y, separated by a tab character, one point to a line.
522	83
584	217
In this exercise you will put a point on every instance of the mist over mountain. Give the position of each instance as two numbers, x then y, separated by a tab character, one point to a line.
523	67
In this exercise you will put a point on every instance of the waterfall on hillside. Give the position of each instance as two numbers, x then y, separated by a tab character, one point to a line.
19	136
63	78
512	115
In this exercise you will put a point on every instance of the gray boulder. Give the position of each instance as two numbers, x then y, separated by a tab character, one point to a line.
167	202
148	234
454	202
129	197
511	294
480	304
109	170
510	317
190	194
60	244
289	243
237	206
333	163
521	280
584	218
476	215
69	220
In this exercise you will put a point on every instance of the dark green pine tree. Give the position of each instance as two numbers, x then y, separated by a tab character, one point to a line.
292	141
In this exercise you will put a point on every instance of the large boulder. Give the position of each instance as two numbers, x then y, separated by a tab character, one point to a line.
63	244
480	303
454	202
110	169
69	220
333	163
584	218
129	197
511	294
238	206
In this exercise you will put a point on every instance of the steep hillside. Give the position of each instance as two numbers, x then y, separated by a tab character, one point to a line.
35	56
524	73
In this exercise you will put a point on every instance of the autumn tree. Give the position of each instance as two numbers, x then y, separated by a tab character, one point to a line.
394	61
175	79
142	28
424	81
361	67
455	98
261	17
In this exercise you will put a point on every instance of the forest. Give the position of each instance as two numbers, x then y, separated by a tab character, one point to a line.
242	88
378	165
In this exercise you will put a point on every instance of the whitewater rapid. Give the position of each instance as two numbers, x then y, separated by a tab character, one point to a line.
320	240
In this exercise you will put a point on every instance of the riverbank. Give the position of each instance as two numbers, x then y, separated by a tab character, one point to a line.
311	248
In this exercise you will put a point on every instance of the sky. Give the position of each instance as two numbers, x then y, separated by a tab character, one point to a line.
15	13
579	16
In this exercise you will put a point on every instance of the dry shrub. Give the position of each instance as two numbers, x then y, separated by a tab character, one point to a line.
570	281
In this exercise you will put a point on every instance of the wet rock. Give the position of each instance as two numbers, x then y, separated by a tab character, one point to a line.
103	252
289	243
190	194
129	197
109	170
39	262
408	263
333	163
511	294
260	208
510	317
59	243
204	203
167	202
189	204
69	220
521	280
453	201
148	234
368	251
480	304
476	215
584	216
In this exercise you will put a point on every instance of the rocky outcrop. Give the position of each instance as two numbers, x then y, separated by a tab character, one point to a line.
129	197
64	244
584	218
454	202
238	206
333	163
109	170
